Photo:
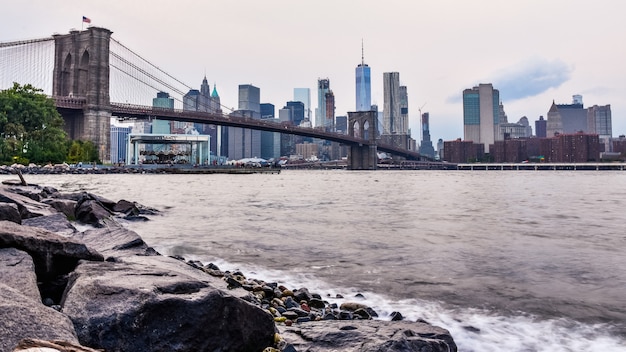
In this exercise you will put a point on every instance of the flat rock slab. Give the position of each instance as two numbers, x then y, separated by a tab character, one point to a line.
36	240
367	335
56	223
113	241
153	303
28	208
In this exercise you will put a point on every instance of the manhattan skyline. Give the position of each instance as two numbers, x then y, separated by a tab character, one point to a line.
533	52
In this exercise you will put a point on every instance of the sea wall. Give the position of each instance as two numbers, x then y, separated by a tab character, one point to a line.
106	289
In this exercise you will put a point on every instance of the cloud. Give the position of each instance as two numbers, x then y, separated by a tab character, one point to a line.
531	77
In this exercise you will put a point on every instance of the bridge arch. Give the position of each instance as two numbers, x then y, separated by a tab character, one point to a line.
363	124
83	74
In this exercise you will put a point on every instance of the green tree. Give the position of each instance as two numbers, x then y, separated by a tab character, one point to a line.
81	151
31	128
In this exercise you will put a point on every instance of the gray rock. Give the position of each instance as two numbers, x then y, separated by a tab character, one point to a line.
56	223
302	294
28	208
367	336
18	272
54	255
126	207
32	345
10	212
396	316
23	314
114	241
90	211
352	306
65	206
156	303
316	303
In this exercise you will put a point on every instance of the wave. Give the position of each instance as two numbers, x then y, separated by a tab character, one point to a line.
472	329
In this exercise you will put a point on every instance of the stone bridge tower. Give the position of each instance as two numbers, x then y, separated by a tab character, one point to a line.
364	156
81	72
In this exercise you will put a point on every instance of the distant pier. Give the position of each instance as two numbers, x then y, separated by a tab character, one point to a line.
543	166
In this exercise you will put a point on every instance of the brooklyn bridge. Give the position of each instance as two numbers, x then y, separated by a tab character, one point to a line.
92	77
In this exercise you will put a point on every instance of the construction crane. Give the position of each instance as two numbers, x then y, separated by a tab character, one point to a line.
421	123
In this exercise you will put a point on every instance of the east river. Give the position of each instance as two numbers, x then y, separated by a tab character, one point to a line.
505	260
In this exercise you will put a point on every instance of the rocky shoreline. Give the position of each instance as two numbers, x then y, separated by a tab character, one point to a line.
61	169
105	289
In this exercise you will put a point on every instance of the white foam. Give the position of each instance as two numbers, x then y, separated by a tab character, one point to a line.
472	329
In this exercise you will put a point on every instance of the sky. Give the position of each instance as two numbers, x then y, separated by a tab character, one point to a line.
533	51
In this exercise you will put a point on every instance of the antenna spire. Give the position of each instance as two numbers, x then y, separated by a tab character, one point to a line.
362	53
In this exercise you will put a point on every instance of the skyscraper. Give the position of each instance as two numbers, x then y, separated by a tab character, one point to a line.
426	145
567	118
298	111
599	121
249	98
243	142
329	123
481	114
267	111
270	141
162	100
363	85
323	86
395	113
540	127
403	122
303	95
119	143
391	103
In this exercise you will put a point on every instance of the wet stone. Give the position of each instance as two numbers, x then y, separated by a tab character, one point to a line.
290	315
396	316
316	303
290	303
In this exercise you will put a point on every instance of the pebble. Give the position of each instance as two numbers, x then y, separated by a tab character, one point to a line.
290	303
293	306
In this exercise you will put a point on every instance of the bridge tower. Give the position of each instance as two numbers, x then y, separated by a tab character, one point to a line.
81	72
363	156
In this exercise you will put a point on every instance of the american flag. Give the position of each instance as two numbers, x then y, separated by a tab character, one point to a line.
86	19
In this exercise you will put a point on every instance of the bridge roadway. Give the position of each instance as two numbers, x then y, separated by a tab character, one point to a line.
140	112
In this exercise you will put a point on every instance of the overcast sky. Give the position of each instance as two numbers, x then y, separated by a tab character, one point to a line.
533	51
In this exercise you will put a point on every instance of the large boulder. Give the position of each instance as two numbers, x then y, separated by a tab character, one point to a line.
65	206
18	272
367	335
28	208
10	212
90	211
54	255
155	303
22	313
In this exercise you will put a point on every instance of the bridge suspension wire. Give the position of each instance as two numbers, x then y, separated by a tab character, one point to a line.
27	62
136	80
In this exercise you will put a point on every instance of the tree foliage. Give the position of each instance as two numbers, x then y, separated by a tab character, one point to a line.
79	151
31	128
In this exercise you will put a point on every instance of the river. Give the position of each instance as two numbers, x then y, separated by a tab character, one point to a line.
505	260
